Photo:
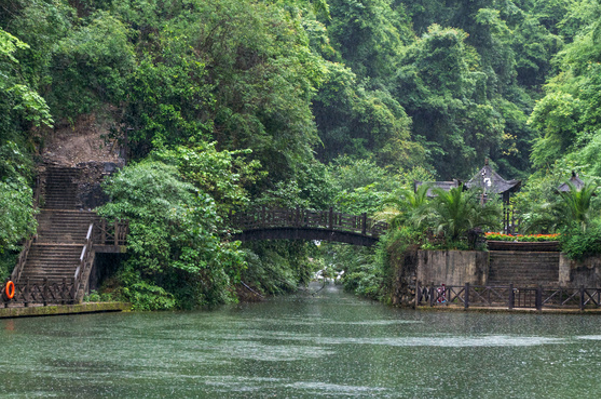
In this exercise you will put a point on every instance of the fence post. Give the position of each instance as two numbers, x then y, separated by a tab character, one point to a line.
431	295
511	301
103	232
116	232
44	291
364	223
538	299
26	293
62	291
581	305
466	298
331	219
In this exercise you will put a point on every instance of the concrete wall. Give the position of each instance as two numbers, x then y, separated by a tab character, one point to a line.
452	267
474	267
575	274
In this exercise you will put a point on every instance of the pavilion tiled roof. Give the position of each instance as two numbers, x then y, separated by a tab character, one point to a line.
575	180
491	181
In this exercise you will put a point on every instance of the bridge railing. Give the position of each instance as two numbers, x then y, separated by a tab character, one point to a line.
263	218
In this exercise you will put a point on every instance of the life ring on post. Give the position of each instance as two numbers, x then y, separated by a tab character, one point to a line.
9	290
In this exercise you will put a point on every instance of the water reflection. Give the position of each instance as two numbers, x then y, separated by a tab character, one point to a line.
329	345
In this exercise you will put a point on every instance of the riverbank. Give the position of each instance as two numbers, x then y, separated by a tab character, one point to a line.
55	310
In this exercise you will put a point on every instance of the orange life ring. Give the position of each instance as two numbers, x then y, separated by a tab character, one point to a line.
9	290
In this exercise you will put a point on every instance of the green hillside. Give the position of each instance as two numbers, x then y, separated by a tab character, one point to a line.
223	104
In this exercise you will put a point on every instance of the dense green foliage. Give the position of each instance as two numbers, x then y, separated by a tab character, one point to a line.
176	257
308	103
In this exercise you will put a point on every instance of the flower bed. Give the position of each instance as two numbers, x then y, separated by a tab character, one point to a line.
521	237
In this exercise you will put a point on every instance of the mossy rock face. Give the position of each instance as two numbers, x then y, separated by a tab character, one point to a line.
55	310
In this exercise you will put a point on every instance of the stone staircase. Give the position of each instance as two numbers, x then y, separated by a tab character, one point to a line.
60	189
523	268
62	228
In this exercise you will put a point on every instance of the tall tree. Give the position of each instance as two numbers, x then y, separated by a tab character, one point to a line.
443	90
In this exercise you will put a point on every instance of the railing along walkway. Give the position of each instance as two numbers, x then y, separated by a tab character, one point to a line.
110	235
508	296
44	293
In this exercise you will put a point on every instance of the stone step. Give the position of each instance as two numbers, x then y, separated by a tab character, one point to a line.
523	267
60	189
55	256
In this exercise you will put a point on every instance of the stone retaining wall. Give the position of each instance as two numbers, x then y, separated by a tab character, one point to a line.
505	267
452	267
585	273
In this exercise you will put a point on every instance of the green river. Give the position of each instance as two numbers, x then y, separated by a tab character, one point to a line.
326	345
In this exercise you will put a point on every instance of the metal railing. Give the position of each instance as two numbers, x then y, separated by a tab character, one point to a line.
86	261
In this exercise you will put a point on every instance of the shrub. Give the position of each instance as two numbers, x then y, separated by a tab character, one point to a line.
579	245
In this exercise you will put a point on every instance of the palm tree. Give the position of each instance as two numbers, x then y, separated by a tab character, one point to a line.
405	208
455	212
577	203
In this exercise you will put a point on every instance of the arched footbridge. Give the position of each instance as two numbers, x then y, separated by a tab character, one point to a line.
302	224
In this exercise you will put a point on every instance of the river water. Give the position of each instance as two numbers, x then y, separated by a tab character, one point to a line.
326	345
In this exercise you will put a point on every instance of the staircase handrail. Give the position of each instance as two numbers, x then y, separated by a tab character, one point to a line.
86	261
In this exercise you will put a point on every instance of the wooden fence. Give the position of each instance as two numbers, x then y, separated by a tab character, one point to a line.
106	233
508	296
269	218
44	293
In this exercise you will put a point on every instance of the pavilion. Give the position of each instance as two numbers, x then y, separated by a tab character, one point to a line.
490	182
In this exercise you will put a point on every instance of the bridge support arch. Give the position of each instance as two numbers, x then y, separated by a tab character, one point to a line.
305	233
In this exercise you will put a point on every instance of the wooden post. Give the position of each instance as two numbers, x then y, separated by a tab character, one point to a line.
63	288
538	300
44	291
511	301
364	223
431	295
116	232
581	297
331	219
466	298
103	232
25	302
